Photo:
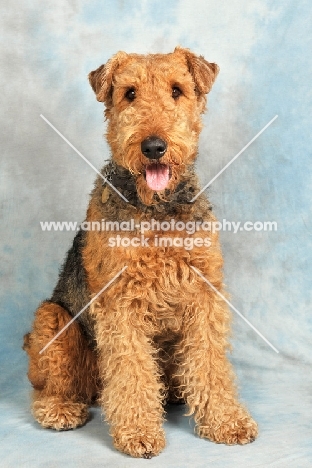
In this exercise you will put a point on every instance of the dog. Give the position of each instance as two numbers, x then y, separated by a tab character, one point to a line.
153	330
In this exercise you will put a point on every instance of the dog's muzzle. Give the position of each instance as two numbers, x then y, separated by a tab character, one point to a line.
157	174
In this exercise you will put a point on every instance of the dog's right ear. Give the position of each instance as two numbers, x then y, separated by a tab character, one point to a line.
102	78
204	73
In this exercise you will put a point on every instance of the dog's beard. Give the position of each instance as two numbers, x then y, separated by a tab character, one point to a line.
180	188
156	184
155	180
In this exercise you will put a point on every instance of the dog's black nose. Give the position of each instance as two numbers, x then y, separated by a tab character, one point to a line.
153	147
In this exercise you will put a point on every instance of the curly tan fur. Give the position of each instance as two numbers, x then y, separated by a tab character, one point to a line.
158	333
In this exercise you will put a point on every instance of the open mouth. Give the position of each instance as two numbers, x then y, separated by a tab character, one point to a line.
157	176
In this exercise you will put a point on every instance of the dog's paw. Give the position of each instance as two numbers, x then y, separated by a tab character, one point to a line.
144	444
232	429
53	413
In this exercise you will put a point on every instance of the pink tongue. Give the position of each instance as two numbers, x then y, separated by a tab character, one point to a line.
157	176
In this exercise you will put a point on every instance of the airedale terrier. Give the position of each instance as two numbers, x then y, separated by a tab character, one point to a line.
158	333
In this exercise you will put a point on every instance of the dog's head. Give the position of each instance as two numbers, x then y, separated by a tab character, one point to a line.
153	107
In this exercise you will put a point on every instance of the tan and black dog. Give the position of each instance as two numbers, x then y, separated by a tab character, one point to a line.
158	332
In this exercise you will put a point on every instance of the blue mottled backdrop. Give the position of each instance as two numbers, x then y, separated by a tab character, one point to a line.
263	49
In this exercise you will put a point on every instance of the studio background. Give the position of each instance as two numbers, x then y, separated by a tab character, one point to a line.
263	49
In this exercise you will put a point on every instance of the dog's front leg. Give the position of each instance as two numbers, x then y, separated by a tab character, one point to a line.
206	377
132	391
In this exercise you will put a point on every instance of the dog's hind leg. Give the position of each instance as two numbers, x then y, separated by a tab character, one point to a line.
64	375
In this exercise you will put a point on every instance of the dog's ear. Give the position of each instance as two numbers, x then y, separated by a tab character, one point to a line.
204	73
102	78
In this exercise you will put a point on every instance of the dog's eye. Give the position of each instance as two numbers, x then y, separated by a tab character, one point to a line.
130	94
176	92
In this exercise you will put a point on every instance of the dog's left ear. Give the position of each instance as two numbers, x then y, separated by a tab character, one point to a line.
101	79
204	73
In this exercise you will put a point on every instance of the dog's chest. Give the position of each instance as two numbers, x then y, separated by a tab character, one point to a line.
159	280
